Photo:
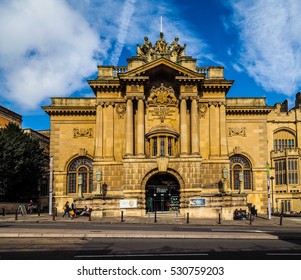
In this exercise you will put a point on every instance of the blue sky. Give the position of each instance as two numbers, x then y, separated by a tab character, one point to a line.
50	48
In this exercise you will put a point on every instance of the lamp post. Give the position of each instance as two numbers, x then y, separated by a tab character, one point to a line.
272	190
98	179
241	179
80	184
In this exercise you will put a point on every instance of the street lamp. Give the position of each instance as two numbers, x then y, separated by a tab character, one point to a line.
272	179
80	184
98	179
241	179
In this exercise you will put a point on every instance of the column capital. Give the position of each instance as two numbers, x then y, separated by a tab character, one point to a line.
129	98
108	103
140	98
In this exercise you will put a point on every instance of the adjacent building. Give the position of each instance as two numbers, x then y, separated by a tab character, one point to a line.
161	135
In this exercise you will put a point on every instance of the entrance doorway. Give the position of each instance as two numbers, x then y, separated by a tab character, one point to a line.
162	193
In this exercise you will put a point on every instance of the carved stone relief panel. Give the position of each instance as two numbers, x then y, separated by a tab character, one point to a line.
162	102
82	132
237	131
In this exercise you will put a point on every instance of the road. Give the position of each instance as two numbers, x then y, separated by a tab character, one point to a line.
277	243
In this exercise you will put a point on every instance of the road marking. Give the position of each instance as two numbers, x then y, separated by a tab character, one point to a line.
139	255
283	254
241	230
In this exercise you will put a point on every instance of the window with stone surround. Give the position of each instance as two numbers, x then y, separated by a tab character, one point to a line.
284	139
83	166
240	164
286	171
162	141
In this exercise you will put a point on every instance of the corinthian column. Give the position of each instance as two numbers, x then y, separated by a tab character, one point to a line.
129	128
140	128
183	119
194	128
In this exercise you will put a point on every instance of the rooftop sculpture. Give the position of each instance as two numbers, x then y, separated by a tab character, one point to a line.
172	52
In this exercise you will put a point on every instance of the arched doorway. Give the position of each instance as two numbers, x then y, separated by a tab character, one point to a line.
162	193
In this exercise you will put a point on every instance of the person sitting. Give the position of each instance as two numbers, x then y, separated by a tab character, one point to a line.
31	207
85	211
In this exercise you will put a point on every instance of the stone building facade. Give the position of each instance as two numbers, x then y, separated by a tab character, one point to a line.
160	135
7	116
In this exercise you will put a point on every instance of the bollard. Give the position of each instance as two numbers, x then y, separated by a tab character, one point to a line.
90	215
187	219
122	220
53	214
3	212
219	218
281	216
16	217
250	219
39	211
155	217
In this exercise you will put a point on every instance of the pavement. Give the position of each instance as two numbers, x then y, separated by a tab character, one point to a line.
144	227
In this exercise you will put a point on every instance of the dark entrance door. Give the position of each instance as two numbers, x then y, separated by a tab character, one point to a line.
162	193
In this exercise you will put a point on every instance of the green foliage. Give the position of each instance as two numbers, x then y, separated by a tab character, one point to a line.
21	163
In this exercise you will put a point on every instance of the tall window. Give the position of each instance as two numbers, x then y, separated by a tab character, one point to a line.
284	139
240	164
286	171
84	167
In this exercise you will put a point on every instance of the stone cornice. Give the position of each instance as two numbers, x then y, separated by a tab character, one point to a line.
247	111
63	111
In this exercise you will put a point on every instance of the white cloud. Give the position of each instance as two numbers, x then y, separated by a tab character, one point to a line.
49	48
46	49
271	42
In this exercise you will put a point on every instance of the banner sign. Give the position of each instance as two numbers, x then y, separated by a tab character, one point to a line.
197	202
128	203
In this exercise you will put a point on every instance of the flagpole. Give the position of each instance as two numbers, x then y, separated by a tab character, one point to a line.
161	29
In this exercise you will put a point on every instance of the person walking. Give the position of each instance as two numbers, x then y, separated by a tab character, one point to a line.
67	210
73	210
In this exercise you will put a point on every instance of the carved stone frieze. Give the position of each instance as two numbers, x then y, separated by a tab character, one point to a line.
237	131
82	132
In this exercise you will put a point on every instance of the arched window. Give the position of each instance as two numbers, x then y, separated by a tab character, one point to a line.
84	167
240	165
284	139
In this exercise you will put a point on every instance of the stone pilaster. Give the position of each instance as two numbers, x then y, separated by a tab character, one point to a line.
129	146
99	132
183	126
194	127
223	135
109	131
140	129
214	129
